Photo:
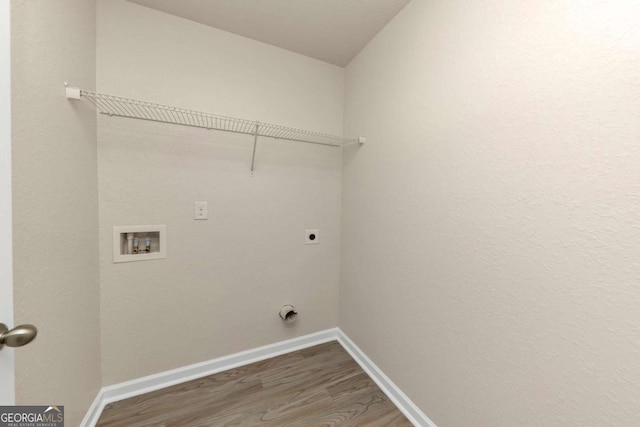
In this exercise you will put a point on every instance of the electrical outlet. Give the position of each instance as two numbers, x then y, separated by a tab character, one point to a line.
201	211
311	237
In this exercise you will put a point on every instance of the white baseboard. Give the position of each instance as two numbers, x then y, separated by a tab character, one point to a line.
408	408
154	382
91	418
125	390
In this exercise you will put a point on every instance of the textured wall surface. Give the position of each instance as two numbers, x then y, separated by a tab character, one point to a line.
491	223
224	280
55	204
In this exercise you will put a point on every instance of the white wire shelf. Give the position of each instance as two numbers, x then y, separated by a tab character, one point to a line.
118	106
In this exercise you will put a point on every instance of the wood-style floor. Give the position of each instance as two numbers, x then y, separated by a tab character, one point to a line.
317	386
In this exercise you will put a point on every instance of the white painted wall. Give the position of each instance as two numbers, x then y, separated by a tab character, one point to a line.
490	225
224	280
7	385
55	204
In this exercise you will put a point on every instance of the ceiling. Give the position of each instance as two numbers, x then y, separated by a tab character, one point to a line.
330	30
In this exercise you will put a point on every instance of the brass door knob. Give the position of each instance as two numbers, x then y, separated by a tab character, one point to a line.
18	336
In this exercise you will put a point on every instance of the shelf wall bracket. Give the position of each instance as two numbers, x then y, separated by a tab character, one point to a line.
72	92
255	144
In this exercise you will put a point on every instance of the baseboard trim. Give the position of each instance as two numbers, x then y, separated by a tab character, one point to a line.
408	408
125	390
91	418
160	380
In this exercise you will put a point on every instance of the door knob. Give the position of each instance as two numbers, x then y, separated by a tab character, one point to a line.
18	336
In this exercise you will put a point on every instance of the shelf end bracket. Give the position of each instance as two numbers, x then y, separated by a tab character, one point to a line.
255	143
72	92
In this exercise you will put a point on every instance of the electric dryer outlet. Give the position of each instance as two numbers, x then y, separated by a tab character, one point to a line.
311	237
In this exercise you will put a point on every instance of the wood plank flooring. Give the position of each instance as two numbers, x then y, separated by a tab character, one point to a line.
317	386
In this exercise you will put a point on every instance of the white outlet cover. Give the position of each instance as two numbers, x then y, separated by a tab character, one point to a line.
200	211
311	237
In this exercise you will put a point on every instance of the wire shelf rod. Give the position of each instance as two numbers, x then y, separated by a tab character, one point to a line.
117	106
